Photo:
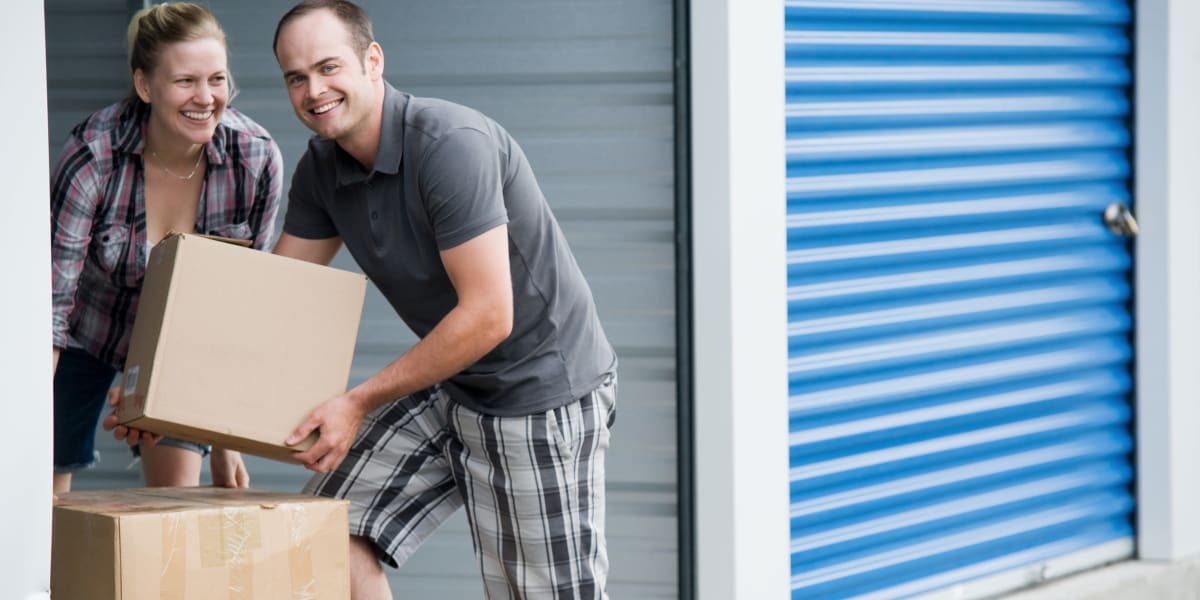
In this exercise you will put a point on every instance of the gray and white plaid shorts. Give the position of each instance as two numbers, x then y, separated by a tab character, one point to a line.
533	487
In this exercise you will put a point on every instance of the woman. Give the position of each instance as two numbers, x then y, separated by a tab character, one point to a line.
172	156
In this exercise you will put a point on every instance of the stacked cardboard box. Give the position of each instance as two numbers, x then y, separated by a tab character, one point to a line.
199	544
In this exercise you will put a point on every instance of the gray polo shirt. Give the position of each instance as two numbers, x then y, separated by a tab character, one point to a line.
445	173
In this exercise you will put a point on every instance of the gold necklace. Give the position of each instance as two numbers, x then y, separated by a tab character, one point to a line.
163	165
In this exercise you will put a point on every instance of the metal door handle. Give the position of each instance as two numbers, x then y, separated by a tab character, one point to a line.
1120	220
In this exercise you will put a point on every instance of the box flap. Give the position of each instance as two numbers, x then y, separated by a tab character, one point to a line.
215	238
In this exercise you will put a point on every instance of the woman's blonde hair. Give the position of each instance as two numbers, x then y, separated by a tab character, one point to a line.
156	26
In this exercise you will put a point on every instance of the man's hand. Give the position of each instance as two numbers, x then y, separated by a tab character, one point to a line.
228	470
130	435
336	423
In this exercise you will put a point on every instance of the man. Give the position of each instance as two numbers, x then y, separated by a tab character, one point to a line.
504	405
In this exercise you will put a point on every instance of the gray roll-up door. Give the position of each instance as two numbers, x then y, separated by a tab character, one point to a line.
85	61
587	90
959	313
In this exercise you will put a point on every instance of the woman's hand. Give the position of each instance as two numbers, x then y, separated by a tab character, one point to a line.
129	435
228	470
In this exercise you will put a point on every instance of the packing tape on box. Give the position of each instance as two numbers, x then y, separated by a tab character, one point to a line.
300	559
173	575
228	539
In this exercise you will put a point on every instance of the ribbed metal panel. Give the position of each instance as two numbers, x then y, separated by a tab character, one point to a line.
959	324
84	71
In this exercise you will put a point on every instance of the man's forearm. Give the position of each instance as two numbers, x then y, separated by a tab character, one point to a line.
460	339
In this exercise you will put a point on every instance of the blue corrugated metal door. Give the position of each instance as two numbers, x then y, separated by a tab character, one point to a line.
959	314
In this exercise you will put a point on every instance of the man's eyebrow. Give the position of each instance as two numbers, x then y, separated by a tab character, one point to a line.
289	74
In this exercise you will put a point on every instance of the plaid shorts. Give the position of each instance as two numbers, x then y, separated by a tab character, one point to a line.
533	487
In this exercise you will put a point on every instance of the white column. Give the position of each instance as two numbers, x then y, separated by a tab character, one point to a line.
739	289
25	446
1168	278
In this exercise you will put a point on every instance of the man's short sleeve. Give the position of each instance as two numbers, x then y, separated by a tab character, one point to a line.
306	215
461	180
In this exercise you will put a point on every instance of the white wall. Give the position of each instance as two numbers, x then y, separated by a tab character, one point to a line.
25	446
740	313
1168	278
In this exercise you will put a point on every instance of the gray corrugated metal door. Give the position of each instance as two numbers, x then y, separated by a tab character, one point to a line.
587	89
84	70
959	314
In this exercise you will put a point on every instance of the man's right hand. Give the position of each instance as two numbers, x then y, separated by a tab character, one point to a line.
129	434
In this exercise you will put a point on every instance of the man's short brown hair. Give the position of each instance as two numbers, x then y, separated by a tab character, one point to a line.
356	20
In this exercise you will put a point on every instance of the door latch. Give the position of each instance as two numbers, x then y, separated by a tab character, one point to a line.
1120	220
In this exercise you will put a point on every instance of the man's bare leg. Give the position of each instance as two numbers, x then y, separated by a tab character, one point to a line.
367	581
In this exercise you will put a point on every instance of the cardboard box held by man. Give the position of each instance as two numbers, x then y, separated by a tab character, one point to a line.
234	347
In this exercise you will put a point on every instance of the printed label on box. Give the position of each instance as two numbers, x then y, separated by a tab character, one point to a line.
131	377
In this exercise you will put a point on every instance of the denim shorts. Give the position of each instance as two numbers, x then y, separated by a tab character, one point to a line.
81	384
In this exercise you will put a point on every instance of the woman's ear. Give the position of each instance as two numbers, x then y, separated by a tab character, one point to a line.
141	85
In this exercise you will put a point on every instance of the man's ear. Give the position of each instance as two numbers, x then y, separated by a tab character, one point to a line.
141	85
374	61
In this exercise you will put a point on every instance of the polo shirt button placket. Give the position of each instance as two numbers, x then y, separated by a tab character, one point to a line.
374	213
378	235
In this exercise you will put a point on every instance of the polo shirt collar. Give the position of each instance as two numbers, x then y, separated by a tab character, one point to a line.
391	141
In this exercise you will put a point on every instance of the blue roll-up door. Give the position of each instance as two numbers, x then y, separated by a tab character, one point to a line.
959	314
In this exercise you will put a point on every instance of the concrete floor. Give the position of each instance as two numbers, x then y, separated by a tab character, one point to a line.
1129	580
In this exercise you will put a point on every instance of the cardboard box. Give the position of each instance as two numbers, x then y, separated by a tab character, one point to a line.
199	544
234	347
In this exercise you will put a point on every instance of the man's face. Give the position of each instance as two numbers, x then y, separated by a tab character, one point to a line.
330	86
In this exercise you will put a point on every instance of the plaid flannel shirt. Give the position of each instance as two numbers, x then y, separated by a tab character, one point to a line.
98	217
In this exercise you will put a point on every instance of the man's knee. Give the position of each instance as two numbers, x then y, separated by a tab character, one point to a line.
363	555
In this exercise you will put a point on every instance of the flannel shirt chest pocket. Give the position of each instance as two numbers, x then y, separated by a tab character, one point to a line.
113	249
111	246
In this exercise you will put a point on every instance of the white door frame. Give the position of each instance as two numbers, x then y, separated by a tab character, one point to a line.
1167	195
26	445
739	249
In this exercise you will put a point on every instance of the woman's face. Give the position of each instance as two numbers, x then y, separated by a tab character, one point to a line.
187	91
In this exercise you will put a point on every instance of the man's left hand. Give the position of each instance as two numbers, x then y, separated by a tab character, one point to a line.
336	423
